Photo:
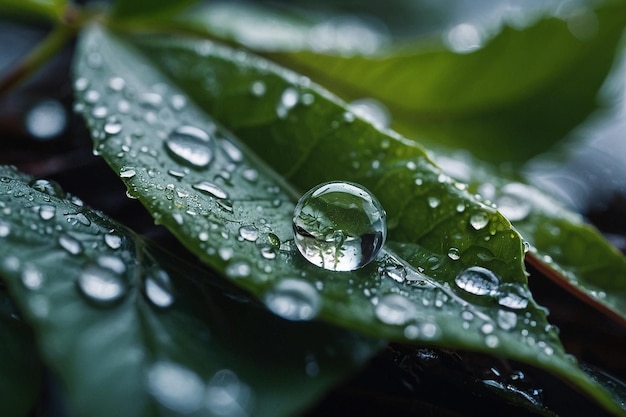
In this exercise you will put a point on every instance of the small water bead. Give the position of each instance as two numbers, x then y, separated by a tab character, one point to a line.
46	120
158	289
433	202
492	341
191	146
479	220
101	285
70	244
47	212
258	88
113	126
249	233
339	226
454	254
395	272
175	387
233	152
113	241
507	320
227	396
268	252
477	280
513	296
127	173
250	174
116	83
238	269
293	299
395	309
32	278
52	188
372	111
211	189
5	229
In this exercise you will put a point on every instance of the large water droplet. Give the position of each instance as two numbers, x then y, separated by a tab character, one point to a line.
395	309
49	187
191	145
249	233
293	299
513	296
477	280
227	396
479	220
158	289
339	226
101	284
175	387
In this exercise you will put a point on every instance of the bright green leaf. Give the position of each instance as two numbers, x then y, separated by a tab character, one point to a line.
509	100
235	212
133	331
20	369
138	9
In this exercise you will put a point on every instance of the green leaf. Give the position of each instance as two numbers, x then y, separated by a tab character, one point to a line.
52	9
20	368
133	331
562	244
507	101
141	96
138	9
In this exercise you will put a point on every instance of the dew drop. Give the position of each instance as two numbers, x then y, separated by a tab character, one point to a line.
158	289
46	120
293	299
47	212
113	126
507	320
5	229
127	173
477	280
175	387
492	341
250	174
100	284
512	296
339	226
225	253
233	152
227	396
113	241
395	272
395	309
372	111
191	145
211	189
433	202
49	187
238	269
258	88
32	278
454	254
268	251
71	245
479	220
249	233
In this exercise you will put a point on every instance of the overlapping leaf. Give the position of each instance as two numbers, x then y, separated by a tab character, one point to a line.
133	331
235	212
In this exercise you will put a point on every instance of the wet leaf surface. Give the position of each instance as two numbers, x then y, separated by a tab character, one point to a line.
228	207
132	330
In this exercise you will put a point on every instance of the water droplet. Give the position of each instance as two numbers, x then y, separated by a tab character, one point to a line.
395	309
113	126
211	189
5	229
492	341
32	278
433	202
454	254
100	284
158	289
46	120
507	320
117	83
191	146
238	269
395	272
339	226
464	38
113	241
477	280
227	396
127	173
175	387
70	244
250	174
479	220
258	88
225	253
52	188
289	98
249	233
513	202
47	212
268	251
293	299
513	296
372	111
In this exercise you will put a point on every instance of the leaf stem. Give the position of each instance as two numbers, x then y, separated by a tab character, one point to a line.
37	57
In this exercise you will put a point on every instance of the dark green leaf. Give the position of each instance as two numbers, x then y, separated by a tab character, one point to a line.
134	103
20	368
139	9
133	331
509	100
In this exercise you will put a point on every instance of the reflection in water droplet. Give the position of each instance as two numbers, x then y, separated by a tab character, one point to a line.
46	120
513	296
70	244
395	272
477	280
395	309
158	289
191	146
32	278
293	299
227	396
211	189
339	226
101	285
249	233
479	220
175	387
